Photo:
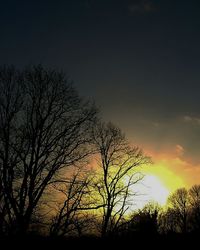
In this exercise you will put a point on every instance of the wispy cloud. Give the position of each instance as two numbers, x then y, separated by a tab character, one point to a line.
191	119
179	150
143	6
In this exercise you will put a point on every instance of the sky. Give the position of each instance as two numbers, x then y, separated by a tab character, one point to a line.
138	59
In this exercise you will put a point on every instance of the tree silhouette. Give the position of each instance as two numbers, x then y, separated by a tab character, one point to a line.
44	127
179	202
194	200
118	162
71	213
169	221
145	220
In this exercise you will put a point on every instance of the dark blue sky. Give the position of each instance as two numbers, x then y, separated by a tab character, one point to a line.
139	60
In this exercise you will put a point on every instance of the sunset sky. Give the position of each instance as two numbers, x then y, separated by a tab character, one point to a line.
138	59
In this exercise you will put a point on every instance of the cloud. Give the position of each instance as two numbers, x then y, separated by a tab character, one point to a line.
191	119
143	6
179	150
187	118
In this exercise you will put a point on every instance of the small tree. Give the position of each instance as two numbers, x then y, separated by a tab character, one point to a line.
146	220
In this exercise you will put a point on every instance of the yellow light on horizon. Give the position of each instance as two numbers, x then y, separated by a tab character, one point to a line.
155	189
156	186
167	177
150	189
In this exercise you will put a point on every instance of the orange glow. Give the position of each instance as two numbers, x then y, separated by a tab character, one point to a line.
173	167
169	171
167	174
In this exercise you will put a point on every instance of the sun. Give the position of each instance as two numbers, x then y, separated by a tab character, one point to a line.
150	189
157	184
155	189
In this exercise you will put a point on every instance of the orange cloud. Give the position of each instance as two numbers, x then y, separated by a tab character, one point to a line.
179	150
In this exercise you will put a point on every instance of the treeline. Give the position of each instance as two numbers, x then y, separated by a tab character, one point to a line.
181	215
64	172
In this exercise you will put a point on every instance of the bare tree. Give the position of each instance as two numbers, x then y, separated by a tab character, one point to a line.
11	102
194	200
194	196
179	202
169	221
44	127
75	199
118	162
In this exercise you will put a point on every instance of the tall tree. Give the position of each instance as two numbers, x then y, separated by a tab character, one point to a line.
44	128
118	163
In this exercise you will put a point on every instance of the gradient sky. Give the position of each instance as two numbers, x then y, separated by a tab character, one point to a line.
139	60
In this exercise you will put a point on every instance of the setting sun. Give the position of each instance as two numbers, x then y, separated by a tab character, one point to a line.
155	190
157	184
150	189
